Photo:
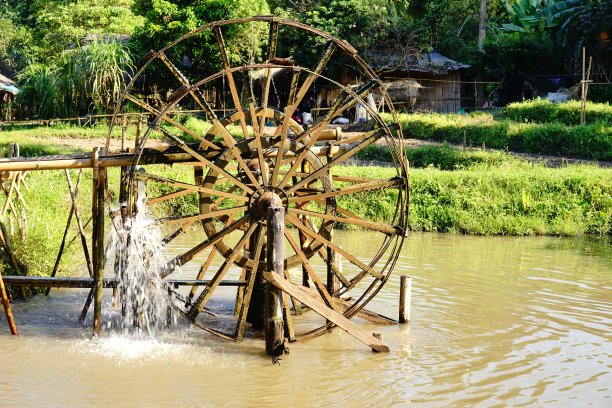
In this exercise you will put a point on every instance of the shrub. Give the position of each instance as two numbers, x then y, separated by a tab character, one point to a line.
593	141
568	113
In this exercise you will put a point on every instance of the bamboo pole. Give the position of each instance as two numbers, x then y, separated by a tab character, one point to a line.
99	181
61	248
404	300
163	155
123	132
583	86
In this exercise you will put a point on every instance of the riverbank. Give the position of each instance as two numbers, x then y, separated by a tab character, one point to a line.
505	200
454	191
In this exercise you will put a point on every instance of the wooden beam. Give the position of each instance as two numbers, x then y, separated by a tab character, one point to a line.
320	308
74	283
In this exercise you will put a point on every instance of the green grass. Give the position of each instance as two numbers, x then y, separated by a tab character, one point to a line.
592	141
567	113
443	157
505	200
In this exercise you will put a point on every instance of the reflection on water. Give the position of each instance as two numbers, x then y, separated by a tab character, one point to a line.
496	322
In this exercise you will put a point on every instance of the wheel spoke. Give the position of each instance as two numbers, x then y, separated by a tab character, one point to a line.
201	273
229	141
312	136
186	86
339	159
375	226
316	129
206	294
311	77
355	188
295	75
244	306
345	282
203	159
182	229
187	256
198	217
171	121
317	237
230	79
170	196
188	187
362	93
281	148
313	275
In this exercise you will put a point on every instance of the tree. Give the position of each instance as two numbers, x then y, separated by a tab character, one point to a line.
15	46
167	20
61	25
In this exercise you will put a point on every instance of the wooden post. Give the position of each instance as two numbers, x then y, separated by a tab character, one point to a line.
405	294
333	283
123	132
138	130
7	308
99	182
274	303
14	149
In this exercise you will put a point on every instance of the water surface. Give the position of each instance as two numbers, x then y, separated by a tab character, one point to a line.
496	321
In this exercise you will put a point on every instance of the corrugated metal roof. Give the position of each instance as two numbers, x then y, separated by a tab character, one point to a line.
7	85
386	60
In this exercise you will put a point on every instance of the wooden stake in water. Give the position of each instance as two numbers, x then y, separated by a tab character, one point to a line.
405	295
7	308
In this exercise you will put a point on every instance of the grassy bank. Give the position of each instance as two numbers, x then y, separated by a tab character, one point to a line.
506	200
468	192
537	126
593	141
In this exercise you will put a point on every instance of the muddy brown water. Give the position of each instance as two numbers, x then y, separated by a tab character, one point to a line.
496	321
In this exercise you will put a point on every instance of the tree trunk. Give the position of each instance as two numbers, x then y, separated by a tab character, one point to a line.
482	26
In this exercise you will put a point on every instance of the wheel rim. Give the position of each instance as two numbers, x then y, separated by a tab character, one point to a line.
226	181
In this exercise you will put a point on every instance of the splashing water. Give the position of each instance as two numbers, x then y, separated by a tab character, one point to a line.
136	244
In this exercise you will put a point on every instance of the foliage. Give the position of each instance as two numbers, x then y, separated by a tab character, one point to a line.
167	20
14	44
520	53
525	14
61	25
38	94
574	23
83	78
566	201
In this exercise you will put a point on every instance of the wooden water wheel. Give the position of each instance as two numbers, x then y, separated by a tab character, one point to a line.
256	152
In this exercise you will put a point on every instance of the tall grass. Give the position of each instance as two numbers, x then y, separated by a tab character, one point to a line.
86	79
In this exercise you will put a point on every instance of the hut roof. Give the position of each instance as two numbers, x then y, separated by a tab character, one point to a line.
7	85
434	62
106	38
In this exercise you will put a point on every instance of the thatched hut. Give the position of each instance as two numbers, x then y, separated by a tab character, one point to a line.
420	81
